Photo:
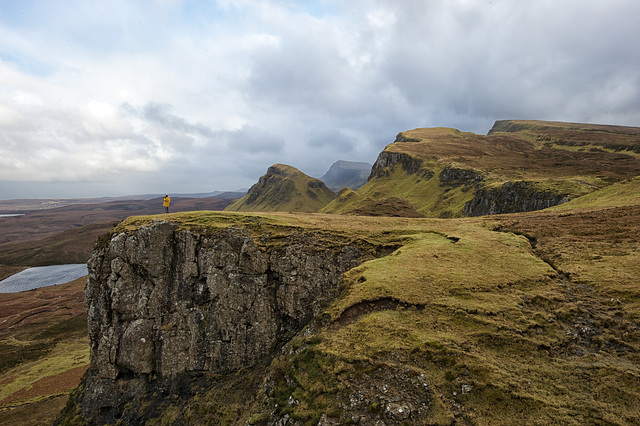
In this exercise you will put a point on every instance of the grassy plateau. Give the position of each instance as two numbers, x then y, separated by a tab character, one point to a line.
529	318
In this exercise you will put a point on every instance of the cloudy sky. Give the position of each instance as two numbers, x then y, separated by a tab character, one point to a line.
120	97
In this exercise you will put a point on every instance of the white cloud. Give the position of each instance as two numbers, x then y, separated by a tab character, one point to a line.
202	95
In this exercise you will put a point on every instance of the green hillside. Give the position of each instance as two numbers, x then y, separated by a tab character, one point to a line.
529	318
619	194
284	188
519	166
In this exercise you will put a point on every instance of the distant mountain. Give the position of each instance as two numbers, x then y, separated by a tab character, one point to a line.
519	166
284	188
349	174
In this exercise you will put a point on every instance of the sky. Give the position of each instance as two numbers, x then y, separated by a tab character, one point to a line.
118	97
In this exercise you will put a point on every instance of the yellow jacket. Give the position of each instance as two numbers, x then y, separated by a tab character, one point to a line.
167	200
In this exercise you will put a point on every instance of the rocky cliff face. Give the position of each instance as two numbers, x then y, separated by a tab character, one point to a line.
512	197
452	176
388	160
166	306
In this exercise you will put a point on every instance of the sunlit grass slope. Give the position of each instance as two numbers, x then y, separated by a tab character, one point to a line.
284	188
518	319
436	171
624	193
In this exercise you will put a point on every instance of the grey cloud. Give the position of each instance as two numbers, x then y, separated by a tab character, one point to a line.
253	140
330	138
278	84
161	115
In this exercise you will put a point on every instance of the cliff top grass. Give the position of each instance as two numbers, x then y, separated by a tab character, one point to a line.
528	316
431	250
530	150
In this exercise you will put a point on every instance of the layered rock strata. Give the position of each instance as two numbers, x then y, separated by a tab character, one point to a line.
165	305
512	197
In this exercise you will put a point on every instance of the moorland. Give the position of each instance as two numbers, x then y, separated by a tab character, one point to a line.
525	317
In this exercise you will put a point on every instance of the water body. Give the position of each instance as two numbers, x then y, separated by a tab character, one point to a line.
42	276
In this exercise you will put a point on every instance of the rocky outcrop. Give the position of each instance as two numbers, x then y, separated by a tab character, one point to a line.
166	306
388	160
512	197
453	176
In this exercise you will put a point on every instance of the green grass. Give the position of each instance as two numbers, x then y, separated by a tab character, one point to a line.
547	154
618	194
284	188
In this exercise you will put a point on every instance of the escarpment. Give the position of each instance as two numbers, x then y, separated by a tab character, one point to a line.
512	197
387	160
167	305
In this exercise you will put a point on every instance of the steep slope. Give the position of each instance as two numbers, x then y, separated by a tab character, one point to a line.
519	166
284	188
346	174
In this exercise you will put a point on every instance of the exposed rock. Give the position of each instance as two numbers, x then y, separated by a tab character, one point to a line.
374	393
512	197
453	176
387	160
165	305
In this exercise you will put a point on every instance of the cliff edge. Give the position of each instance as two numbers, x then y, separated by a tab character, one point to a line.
167	306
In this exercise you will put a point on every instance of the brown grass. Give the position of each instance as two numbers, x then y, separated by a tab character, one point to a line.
41	305
52	385
43	351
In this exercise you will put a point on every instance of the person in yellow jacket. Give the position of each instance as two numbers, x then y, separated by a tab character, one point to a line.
165	203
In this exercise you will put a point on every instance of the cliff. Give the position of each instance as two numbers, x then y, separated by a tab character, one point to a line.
513	197
519	166
166	306
282	319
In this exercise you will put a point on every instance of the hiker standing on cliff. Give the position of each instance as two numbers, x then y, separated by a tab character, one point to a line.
165	203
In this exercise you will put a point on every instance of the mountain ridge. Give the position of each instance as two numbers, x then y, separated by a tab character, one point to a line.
519	166
284	188
529	317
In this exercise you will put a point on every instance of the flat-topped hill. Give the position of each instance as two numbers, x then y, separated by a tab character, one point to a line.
519	166
284	188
